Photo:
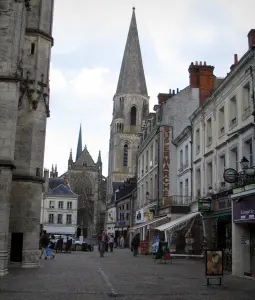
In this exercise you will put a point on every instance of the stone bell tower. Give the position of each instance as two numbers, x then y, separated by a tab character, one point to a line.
130	109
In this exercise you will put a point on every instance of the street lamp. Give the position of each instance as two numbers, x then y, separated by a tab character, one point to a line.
244	163
245	166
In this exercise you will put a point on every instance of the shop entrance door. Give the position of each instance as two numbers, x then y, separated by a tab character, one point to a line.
252	245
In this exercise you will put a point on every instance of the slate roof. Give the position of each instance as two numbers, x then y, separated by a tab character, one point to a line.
61	190
54	182
125	191
132	78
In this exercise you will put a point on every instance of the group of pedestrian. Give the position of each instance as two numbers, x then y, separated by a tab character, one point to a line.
109	241
106	242
47	245
50	245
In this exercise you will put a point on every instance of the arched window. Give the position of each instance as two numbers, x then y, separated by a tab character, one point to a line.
125	156
133	115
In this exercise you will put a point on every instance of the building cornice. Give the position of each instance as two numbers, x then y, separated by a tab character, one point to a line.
186	133
148	139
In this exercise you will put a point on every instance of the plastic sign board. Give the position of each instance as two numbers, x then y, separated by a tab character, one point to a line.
230	175
204	205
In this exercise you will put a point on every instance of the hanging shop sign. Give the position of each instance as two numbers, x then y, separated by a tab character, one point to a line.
166	163
139	216
214	264
244	211
230	175
204	205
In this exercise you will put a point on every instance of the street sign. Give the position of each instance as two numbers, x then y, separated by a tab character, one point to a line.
204	205
230	175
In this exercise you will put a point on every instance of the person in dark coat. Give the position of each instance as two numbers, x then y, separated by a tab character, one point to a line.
135	244
44	242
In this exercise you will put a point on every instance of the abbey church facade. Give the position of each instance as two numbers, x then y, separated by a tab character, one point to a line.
86	180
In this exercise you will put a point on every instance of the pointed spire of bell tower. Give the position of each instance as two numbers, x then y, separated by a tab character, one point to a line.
99	159
132	78
79	145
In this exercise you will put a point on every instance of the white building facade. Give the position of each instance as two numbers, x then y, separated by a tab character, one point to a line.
111	220
184	167
223	133
59	211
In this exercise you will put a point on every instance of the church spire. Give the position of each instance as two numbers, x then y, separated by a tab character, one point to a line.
79	145
99	159
132	78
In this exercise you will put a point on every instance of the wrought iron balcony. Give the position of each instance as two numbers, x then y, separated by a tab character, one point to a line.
178	200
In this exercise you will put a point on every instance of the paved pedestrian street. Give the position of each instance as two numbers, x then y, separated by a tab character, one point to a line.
86	276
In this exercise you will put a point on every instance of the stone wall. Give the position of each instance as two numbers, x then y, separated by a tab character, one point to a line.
12	28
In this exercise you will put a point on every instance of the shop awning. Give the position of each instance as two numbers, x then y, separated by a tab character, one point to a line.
147	223
170	226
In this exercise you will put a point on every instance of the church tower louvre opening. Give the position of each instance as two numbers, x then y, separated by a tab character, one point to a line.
130	109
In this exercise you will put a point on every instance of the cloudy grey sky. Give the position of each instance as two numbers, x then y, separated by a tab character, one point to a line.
90	37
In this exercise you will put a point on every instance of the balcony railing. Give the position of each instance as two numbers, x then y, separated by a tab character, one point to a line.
178	200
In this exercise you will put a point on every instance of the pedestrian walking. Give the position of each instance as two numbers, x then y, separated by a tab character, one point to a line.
135	244
103	241
51	248
122	242
44	242
111	242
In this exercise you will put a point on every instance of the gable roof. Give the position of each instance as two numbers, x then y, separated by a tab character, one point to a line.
61	190
86	158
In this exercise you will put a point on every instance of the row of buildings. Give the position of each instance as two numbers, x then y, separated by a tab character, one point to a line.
184	172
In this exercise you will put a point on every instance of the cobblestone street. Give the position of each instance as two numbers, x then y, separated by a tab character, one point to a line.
83	275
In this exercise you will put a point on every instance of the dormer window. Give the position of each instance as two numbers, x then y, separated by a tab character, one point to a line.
84	164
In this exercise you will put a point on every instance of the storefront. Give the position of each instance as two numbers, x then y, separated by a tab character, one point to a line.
184	234
145	224
243	232
218	226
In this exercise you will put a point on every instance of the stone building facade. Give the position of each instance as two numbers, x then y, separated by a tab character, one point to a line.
26	41
86	180
130	109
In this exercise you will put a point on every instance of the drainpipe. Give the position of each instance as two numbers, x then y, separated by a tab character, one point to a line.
191	160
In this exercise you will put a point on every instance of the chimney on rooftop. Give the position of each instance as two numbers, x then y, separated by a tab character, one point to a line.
235	62
251	38
46	180
163	97
202	77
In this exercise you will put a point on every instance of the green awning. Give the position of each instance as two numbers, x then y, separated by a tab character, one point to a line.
219	214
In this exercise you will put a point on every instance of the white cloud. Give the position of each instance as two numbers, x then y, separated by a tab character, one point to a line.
177	33
84	99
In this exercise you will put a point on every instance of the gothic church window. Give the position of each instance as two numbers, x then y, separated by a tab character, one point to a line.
133	116
125	156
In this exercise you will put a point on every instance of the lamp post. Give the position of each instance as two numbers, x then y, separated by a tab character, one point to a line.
250	171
